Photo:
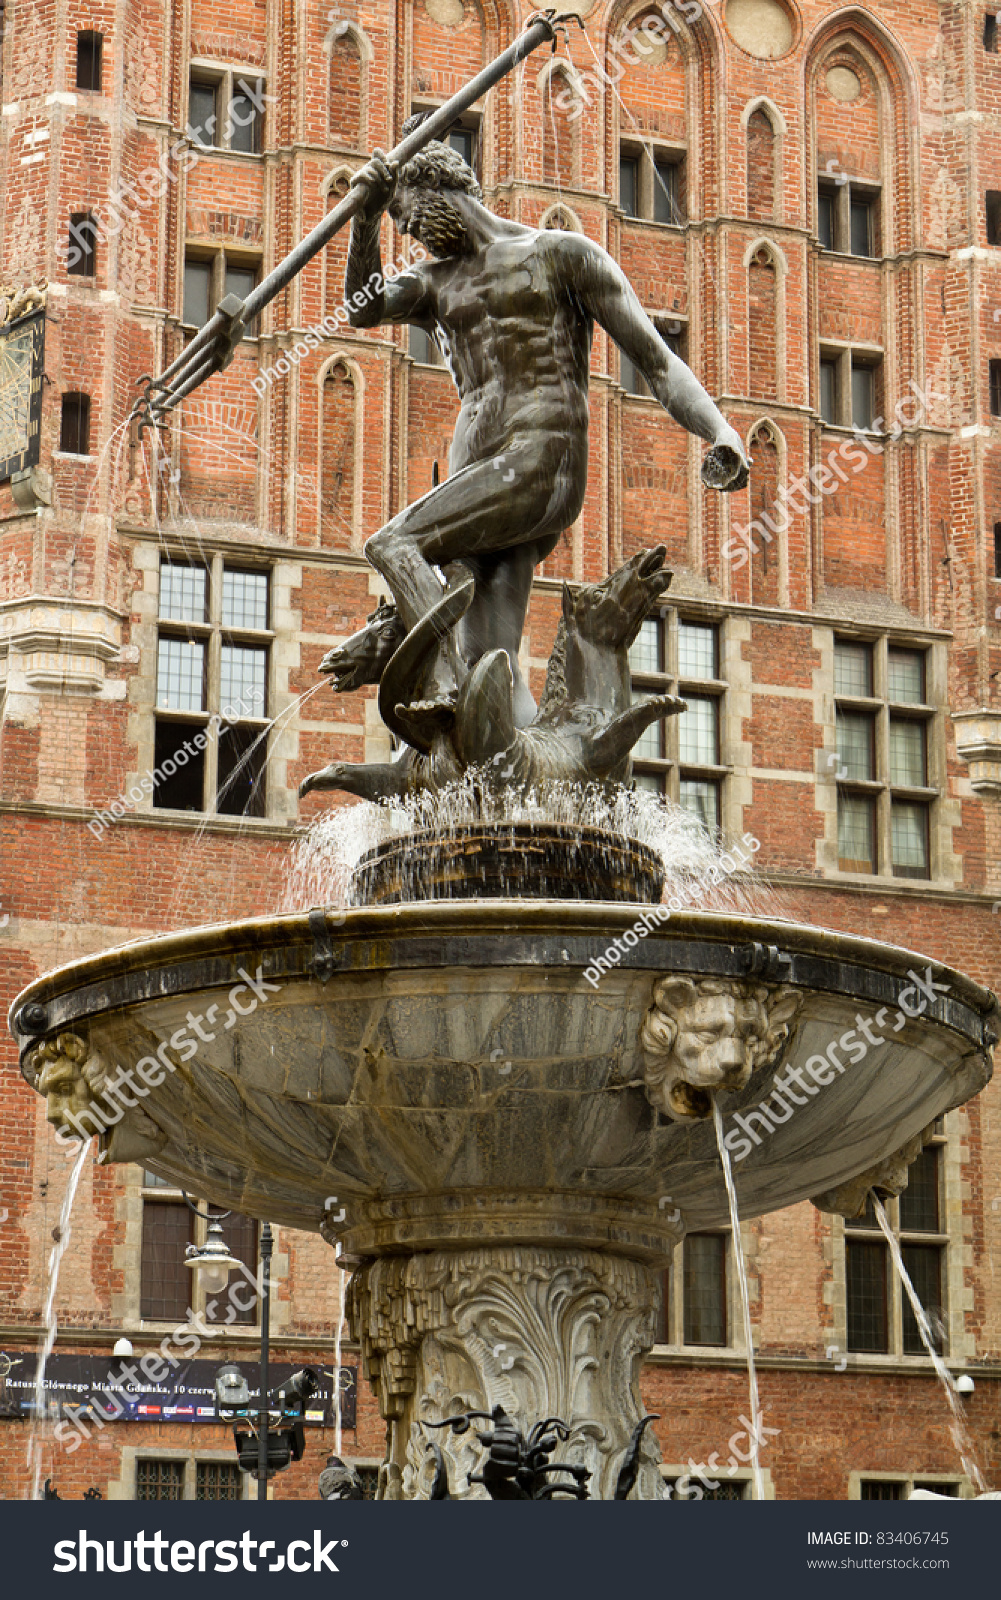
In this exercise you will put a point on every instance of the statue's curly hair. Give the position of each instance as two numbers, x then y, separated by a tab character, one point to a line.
437	166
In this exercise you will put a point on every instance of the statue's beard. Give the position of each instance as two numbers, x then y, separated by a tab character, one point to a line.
436	223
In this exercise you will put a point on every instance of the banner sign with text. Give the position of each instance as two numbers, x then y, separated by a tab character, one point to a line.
120	1391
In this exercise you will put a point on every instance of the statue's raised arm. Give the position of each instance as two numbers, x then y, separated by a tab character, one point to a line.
607	295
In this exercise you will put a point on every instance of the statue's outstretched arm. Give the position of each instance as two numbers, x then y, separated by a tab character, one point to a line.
607	295
370	297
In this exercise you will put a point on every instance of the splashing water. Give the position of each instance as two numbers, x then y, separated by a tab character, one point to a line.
745	1302
959	1431
64	1232
699	874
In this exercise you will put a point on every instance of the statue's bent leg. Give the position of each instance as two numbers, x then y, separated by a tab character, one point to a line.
531	491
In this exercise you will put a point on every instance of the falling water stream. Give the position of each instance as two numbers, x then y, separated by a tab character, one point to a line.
63	1234
745	1303
338	1400
960	1433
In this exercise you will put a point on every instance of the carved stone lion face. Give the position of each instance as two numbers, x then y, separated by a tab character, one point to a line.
710	1034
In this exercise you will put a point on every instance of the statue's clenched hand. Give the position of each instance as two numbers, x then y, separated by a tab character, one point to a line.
378	181
726	466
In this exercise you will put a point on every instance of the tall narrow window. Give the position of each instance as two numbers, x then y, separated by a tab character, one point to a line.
862	217
865	1272
760	167
829	406
463	142
89	47
74	424
863	396
631	377
81	256
879	1311
682	757
762	319
705	1288
997	549
423	347
995	380
214	638
629	185
666	204
203	112
165	1274
826	219
345	96
991	33
245	119
994	216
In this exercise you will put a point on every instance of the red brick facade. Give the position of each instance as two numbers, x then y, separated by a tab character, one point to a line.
892	540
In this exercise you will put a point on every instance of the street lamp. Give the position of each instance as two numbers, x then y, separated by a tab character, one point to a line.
212	1260
214	1263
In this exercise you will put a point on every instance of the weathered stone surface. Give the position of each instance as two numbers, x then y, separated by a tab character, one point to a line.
542	1332
887	1177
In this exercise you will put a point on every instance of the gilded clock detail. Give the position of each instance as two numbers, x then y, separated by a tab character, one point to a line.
22	350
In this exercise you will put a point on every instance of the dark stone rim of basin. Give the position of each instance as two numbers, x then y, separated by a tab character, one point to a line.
451	934
486	861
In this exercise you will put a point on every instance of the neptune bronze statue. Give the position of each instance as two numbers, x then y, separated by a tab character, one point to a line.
513	310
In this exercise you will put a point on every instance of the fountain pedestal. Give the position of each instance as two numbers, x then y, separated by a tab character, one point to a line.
542	1332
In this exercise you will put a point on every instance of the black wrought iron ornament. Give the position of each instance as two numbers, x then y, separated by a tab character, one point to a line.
516	1467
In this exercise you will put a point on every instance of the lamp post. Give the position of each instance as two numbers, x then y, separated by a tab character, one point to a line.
213	1262
262	1415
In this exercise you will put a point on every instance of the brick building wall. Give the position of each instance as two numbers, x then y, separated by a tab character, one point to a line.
890	542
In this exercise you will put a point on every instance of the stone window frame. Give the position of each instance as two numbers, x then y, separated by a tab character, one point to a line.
220	258
669	766
840	188
226	77
847	355
198	1297
672	1289
933	712
649	154
671	1472
909	1481
124	1487
212	634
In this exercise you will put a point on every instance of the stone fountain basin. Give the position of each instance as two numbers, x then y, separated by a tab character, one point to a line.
436	1073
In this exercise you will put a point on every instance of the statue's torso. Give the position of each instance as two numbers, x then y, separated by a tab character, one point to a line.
517	344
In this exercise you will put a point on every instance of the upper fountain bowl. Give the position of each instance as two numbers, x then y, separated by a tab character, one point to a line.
419	1075
493	860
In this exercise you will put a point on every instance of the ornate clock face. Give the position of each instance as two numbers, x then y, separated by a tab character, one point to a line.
21	359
